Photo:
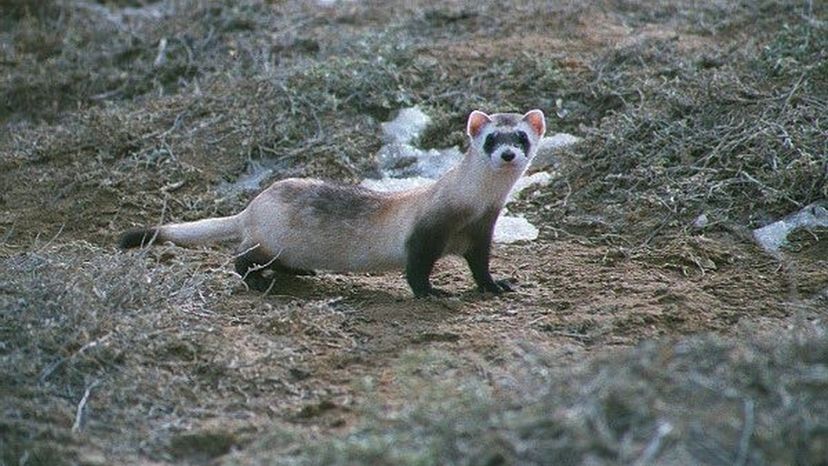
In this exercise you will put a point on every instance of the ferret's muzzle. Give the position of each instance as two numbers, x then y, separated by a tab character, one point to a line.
508	157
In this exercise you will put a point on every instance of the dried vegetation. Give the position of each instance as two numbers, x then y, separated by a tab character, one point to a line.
694	401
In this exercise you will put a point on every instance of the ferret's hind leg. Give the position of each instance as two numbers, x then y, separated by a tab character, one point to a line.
253	263
277	267
250	266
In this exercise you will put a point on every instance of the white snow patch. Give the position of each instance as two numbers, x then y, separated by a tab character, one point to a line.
772	237
406	127
509	229
557	141
550	146
404	160
399	158
538	178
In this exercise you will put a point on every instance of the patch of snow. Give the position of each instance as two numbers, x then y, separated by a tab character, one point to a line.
404	160
406	127
549	148
538	178
511	229
398	158
772	237
557	141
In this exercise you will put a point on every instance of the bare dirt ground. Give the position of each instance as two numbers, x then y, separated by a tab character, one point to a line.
163	357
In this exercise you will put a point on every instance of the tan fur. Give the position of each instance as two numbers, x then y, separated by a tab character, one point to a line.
201	231
301	239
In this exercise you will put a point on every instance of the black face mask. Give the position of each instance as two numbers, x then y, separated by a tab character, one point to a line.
514	138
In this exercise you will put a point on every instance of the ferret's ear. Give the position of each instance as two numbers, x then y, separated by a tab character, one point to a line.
477	120
536	121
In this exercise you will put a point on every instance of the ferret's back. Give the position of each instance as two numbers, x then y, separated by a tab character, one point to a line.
311	224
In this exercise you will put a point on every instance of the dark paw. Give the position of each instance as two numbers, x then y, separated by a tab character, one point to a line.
257	282
507	285
499	286
431	292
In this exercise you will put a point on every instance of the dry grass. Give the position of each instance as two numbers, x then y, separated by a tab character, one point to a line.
693	401
76	319
141	351
734	133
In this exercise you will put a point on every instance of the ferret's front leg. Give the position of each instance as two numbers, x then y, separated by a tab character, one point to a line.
425	245
477	256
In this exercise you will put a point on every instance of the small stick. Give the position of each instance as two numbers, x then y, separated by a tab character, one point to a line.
257	267
8	235
53	238
51	367
161	58
651	451
79	414
653	234
747	433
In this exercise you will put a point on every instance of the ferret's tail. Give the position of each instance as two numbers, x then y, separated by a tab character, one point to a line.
184	234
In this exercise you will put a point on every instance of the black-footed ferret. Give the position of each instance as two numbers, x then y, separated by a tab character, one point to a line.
300	225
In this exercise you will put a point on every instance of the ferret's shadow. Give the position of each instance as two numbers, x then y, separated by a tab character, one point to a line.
315	286
380	311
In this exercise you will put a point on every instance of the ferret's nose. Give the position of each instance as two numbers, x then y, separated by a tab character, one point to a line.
507	156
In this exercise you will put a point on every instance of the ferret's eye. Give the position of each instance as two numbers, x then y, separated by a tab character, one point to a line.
523	140
489	144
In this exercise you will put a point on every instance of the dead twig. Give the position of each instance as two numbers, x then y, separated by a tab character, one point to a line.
48	370
656	231
747	433
45	245
651	451
79	412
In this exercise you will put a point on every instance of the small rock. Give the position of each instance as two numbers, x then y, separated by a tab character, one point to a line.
700	222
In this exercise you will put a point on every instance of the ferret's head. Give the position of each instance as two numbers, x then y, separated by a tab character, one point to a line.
508	140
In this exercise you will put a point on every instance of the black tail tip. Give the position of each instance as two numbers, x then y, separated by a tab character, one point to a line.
138	238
